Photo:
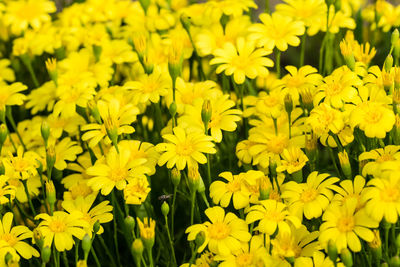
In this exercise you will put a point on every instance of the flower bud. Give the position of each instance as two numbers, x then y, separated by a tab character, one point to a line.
394	261
3	134
345	163
50	159
306	98
332	250
37	236
388	64
8	257
46	254
265	189
346	49
311	145
165	208
185	21
51	66
97	52
86	245
96	226
288	103
81	263
200	238
194	177
272	168
175	58
175	176
346	257
394	37
376	246
137	249
50	192
172	109
141	212
45	131
2	168
112	131
94	111
206	113
130	223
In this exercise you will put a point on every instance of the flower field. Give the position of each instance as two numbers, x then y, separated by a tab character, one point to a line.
199	133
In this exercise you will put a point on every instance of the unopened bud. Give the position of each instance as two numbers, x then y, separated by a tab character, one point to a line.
346	257
130	223
185	20
272	167
94	111
175	176
137	249
394	261
81	263
206	113
50	158
306	98
97	52
46	254
3	134
388	64
96	226
345	163
200	238
395	37
37	236
288	103
332	250
86	245
172	109
45	131
265	189
194	177
175	58
165	208
50	192
51	66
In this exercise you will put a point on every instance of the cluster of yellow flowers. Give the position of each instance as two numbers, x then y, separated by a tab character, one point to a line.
131	129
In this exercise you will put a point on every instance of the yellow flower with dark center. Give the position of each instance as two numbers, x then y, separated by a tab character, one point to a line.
224	233
345	225
310	198
185	148
241	61
61	227
272	215
277	30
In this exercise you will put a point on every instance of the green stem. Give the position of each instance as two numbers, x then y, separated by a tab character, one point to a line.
266	10
65	259
76	251
278	62
173	210
11	119
95	257
150	254
193	200
28	64
114	204
302	48
208	169
171	244
29	197
334	161
108	252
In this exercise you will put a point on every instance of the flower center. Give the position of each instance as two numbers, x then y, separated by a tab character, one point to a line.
244	259
233	186
278	144
184	149
385	157
345	224
274	215
373	116
118	174
333	89
390	194
57	226
10	239
80	189
309	195
219	231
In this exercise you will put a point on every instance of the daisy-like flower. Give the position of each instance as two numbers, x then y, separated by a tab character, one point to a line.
223	118
345	226
150	87
66	150
223	234
375	119
310	198
185	148
61	227
12	237
324	119
236	189
115	170
378	158
22	166
250	254
293	160
244	60
383	198
272	215
114	116
6	73
277	30
10	94
295	243
339	88
101	212
136	191
348	190
22	14
7	192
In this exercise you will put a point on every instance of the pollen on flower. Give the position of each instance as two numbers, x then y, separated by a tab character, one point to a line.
309	195
219	230
346	224
57	226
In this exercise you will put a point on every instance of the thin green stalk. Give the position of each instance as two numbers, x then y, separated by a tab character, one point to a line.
77	251
278	62
28	64
334	161
208	169
193	200
302	48
43	190
114	204
96	260
65	259
29	197
266	9
11	119
150	254
173	210
106	249
171	243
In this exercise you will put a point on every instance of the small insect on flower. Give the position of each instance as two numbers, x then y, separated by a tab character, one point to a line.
163	198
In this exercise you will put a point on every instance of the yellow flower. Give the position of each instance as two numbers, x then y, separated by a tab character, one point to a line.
345	225
244	60
22	14
310	198
272	215
293	160
33	184
61	227
375	119
115	170
223	235
136	191
185	148
101	212
324	119
22	166
7	192
339	88
42	97
6	73
150	87
383	196
277	30
114	116
379	156
9	94
236	188
349	190
11	237
65	150
147	228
